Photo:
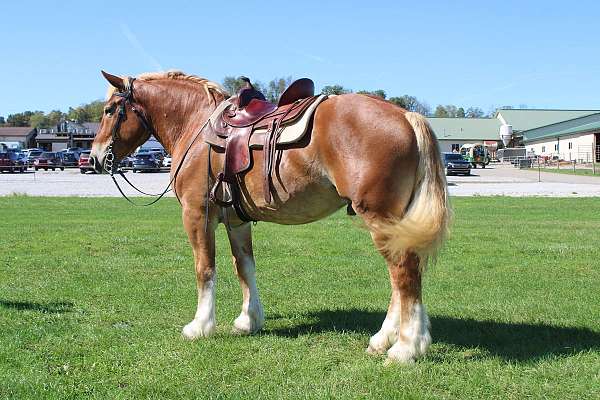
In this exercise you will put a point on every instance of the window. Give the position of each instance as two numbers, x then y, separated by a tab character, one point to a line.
570	145
455	147
543	149
556	147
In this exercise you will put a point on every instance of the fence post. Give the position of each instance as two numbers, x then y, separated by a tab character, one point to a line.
574	166
539	170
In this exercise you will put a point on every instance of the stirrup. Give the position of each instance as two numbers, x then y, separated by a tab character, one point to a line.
215	189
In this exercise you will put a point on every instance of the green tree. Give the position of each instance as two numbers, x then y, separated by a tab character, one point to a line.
460	113
451	110
19	119
78	114
440	111
474	112
94	111
377	93
39	120
276	87
55	116
335	89
411	103
232	84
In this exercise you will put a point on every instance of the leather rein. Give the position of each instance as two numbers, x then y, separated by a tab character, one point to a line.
108	164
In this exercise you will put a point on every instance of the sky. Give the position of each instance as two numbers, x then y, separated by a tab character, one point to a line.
467	53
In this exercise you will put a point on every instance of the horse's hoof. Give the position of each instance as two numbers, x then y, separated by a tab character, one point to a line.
409	352
244	325
196	329
374	351
381	341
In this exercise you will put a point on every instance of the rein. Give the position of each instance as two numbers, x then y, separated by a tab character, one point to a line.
109	158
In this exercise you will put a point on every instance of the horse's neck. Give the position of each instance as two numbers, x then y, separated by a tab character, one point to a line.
184	111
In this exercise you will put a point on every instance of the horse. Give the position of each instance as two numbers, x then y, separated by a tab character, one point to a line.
362	152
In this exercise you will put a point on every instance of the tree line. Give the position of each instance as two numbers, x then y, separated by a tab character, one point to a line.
92	112
274	88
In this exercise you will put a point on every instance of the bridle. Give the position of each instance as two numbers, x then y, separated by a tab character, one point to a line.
108	163
127	98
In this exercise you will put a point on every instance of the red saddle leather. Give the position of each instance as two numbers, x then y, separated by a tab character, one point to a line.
238	122
249	115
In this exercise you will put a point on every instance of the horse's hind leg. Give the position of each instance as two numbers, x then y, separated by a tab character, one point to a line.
251	319
405	330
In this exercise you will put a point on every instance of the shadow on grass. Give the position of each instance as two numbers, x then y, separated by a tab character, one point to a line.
50	308
510	341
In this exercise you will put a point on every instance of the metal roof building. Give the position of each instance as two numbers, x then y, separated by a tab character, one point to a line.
574	139
526	119
452	133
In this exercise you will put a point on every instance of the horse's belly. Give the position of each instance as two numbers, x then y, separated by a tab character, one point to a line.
295	200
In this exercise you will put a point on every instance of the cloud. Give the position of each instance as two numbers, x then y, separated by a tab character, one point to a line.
311	56
133	40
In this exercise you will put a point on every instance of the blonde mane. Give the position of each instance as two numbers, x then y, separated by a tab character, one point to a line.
209	87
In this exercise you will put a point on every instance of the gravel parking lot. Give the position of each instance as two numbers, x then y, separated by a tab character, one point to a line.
498	180
72	183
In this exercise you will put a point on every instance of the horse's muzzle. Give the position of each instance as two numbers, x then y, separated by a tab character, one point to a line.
95	164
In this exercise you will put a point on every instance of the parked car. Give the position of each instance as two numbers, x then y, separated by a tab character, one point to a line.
84	162
127	162
143	150
32	155
147	162
167	161
21	156
48	160
69	159
10	161
454	163
27	151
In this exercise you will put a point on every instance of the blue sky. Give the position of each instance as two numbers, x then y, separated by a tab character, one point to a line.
485	54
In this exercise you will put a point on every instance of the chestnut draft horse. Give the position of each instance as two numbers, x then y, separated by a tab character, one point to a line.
361	151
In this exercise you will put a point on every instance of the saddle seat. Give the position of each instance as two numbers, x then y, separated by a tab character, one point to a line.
249	121
250	105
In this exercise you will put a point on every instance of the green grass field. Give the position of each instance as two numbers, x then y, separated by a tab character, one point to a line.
94	293
569	170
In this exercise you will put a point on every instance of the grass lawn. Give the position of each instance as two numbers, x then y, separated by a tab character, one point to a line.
569	170
94	293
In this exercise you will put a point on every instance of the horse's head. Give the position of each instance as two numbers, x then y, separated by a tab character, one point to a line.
123	128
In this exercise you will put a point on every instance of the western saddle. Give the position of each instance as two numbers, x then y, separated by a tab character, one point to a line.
250	116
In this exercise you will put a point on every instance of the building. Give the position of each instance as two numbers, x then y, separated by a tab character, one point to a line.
452	133
67	134
576	139
20	137
528	119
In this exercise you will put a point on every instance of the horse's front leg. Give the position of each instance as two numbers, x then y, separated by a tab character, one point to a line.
203	245
251	319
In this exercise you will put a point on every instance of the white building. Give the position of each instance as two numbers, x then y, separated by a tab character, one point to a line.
576	139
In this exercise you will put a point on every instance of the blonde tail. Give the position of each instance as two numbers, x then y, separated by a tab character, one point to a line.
424	226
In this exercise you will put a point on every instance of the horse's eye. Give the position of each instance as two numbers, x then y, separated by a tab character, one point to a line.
109	110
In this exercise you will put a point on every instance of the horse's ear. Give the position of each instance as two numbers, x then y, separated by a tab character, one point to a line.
114	80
